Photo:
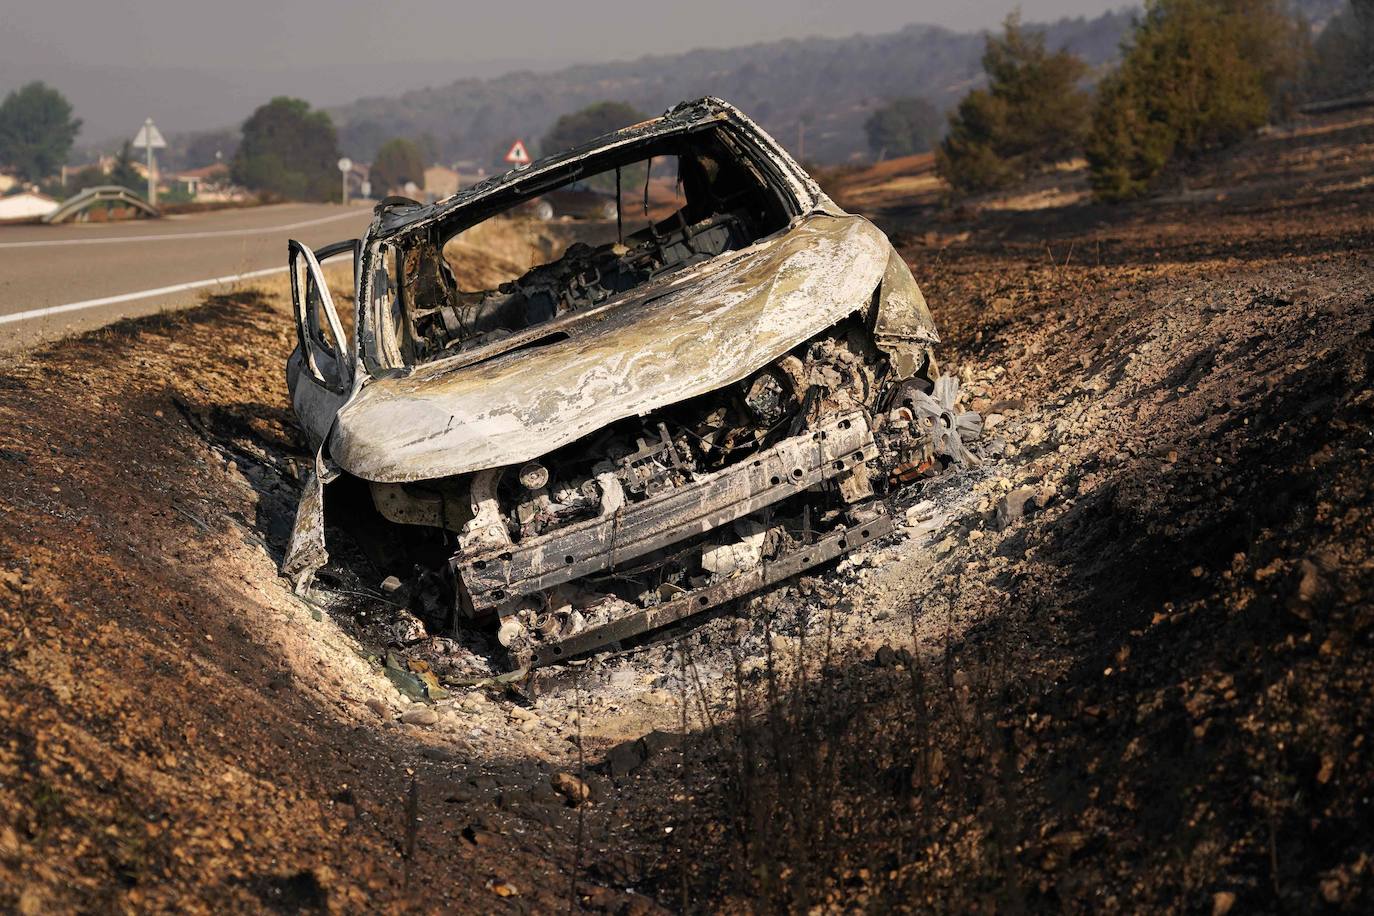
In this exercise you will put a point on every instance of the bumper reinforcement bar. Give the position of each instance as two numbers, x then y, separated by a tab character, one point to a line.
832	545
493	577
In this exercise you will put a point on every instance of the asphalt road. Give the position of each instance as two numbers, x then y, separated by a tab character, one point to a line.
56	280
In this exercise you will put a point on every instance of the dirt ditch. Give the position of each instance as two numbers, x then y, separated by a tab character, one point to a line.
1123	664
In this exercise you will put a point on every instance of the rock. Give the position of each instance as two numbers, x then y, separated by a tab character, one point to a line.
658	740
420	715
442	754
504	889
935	768
920	512
474	701
522	714
623	677
1012	507
629	755
752	666
625	758
570	787
656	697
479	837
1327	769
378	705
1222	901
600	899
391	585
1310	586
9	842
783	648
1045	495
543	793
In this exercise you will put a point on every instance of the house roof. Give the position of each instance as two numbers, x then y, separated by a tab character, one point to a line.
30	195
213	170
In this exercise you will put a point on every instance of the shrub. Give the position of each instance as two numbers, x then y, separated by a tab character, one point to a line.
36	130
587	124
1343	60
902	127
1197	74
397	162
1031	115
288	151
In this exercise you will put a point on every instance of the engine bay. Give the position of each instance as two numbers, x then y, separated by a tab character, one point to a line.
654	513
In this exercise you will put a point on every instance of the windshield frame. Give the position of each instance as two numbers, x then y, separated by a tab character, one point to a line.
378	351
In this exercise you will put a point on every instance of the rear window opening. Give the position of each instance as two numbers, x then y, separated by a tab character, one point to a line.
584	236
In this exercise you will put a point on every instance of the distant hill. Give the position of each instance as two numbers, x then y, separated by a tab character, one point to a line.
824	86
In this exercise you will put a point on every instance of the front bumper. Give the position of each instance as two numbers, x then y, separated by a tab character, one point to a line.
833	544
493	578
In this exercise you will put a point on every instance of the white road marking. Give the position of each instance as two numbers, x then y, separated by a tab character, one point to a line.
149	293
173	236
130	297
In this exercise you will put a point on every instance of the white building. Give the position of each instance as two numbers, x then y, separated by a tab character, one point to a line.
26	205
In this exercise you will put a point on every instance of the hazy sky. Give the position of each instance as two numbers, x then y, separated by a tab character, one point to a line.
193	66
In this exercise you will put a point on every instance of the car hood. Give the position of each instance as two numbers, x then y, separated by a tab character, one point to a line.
704	328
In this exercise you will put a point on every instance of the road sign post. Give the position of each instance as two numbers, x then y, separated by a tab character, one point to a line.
150	138
345	166
518	155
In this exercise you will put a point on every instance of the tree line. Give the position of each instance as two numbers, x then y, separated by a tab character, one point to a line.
1194	75
285	150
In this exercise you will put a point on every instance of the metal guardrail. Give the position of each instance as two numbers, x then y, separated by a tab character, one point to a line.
1329	105
105	193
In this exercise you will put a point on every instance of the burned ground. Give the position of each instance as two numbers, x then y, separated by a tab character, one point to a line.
1123	665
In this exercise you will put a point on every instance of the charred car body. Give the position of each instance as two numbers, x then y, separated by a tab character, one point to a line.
636	430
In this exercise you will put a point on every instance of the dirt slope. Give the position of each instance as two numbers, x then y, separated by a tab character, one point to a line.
1132	665
178	732
1123	665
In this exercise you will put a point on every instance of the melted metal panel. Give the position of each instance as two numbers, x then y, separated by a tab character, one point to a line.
708	327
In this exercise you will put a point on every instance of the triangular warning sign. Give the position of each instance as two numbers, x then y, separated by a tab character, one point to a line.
149	135
518	155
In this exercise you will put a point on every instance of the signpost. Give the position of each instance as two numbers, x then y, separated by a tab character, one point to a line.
150	138
518	155
345	166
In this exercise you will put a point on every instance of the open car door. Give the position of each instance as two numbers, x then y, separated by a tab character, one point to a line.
319	373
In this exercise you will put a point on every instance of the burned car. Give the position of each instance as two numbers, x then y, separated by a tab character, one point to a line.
642	427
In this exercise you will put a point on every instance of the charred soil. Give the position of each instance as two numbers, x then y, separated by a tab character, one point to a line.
1124	664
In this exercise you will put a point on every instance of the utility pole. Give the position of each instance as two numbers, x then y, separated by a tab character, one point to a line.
150	138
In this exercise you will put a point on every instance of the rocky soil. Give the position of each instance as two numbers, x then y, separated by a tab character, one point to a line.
1124	664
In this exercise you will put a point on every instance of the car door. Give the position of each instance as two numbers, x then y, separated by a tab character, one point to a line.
319	373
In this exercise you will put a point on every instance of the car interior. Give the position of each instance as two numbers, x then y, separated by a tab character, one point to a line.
726	202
